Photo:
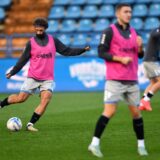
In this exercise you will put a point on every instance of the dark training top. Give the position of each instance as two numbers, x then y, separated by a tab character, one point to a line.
106	38
152	52
60	48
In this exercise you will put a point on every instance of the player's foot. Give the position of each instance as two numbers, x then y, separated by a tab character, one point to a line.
95	150
142	151
30	127
145	105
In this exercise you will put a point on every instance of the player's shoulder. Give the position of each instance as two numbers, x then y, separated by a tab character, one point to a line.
108	30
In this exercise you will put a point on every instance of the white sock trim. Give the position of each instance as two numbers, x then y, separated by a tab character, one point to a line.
141	143
95	141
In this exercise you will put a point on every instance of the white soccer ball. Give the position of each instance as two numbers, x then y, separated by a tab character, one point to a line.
14	124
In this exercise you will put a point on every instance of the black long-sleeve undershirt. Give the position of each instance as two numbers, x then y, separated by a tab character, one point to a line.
60	48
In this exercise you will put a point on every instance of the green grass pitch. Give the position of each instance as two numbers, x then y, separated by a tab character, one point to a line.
66	128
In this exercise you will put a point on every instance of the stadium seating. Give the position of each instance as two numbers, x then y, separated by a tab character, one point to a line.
95	2
5	3
151	23
90	11
78	2
106	11
137	23
145	37
73	12
68	25
61	2
127	1
65	38
79	40
85	25
53	26
94	39
101	24
154	10
68	18
2	14
56	12
110	1
143	1
156	1
140	10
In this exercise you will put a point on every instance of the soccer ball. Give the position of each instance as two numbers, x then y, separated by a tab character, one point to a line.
14	124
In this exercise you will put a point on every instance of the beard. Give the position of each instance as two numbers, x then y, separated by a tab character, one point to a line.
41	36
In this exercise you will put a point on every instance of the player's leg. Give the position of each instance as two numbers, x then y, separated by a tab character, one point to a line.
133	100
138	127
111	97
94	147
45	99
145	101
46	90
27	89
152	72
14	98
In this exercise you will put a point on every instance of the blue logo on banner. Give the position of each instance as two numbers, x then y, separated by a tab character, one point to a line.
88	73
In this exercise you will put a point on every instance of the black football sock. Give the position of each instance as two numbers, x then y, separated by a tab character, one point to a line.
35	117
149	95
100	126
4	102
138	128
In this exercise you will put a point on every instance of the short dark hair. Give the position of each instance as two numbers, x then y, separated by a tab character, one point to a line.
40	22
120	5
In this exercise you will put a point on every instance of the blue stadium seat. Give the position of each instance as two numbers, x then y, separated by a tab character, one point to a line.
61	2
77	2
65	38
95	2
2	14
90	11
145	37
85	25
73	12
106	11
53	26
101	24
151	23
154	9
56	12
127	1
79	40
5	3
143	1
137	23
94	39
110	1
68	25
140	10
155	1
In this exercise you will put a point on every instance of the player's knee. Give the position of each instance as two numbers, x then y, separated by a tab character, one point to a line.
21	99
136	114
109	114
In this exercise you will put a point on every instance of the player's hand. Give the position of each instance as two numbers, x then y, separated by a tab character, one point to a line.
87	48
8	75
139	41
126	60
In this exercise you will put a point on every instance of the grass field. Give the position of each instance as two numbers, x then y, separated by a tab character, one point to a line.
65	130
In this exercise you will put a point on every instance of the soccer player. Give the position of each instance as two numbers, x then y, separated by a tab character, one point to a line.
40	51
120	47
151	69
